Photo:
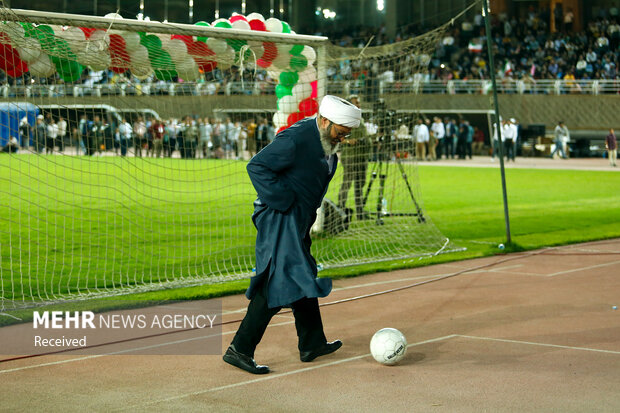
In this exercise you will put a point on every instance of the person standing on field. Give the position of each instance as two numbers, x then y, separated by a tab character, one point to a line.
291	176
611	144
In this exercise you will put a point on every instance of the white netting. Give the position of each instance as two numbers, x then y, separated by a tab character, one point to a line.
131	143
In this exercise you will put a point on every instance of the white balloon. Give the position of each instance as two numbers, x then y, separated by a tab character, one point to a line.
75	37
282	61
177	49
308	75
258	49
274	25
219	21
165	40
188	69
142	71
13	29
42	67
287	105
98	41
96	60
29	49
57	29
310	54
301	91
113	16
255	16
241	25
132	41
139	57
283	49
279	119
226	59
219	46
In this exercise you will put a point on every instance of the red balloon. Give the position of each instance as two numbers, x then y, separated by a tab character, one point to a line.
10	62
263	63
118	53
258	25
281	129
315	89
237	17
87	31
200	51
271	51
4	38
308	107
294	118
185	38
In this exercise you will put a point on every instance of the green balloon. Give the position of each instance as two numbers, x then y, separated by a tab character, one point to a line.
151	42
285	27
298	63
62	48
236	44
288	79
29	29
205	24
45	35
163	66
224	24
282	91
69	70
297	49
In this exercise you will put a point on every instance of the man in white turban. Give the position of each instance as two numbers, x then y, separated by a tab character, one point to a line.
291	176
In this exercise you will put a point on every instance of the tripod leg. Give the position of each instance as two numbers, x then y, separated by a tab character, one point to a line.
373	176
417	207
382	177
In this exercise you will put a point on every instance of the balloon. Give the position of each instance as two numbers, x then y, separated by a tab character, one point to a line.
69	70
187	69
10	62
298	63
282	61
241	25
236	44
281	129
279	119
258	25
118	54
113	16
75	38
205	24
219	46
288	79
285	27
296	49
200	52
87	31
315	89
30	49
96	60
255	16
226	60
183	37
308	75
224	23
263	63
271	51
236	17
282	91
301	91
273	25
151	42
294	118
308	107
177	49
139	57
257	48
13	30
310	54
42	66
287	105
132	41
45	35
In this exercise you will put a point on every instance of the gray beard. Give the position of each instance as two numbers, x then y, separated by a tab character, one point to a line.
326	143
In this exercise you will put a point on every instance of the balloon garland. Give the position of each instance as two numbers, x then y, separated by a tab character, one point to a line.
44	50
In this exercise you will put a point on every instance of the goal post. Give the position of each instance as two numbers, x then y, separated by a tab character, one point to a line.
131	140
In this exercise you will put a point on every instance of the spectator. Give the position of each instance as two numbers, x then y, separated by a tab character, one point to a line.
561	136
611	144
25	133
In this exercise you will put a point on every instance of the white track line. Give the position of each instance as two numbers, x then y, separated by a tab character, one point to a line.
531	343
607	264
274	376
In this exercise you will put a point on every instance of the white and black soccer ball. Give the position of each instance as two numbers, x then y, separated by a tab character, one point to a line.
388	346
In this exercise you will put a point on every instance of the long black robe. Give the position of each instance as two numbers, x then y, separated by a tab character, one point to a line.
291	176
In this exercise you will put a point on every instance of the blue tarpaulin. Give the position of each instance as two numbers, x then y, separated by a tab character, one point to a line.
11	114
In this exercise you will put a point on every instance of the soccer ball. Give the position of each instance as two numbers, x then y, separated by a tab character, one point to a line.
388	346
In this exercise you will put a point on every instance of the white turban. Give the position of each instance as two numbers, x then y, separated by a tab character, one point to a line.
340	111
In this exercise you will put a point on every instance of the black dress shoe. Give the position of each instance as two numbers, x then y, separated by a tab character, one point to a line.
243	362
327	348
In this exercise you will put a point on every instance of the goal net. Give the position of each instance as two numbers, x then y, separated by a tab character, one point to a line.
126	144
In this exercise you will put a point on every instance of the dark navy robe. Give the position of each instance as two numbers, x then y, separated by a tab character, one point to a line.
291	176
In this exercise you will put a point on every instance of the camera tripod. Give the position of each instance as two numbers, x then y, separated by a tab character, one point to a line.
380	170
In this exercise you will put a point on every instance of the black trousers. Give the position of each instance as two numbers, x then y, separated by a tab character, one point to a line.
307	322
